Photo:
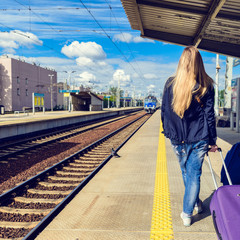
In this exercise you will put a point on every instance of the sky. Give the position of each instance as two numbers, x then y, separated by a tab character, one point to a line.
91	43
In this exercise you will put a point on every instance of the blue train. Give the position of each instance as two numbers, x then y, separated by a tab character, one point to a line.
151	104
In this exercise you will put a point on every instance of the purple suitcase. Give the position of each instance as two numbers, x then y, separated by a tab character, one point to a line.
225	208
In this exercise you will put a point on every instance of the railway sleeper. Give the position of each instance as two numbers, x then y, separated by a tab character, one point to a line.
49	192
96	154
68	173
60	185
97	148
87	165
77	165
77	169
5	151
70	179
37	200
24	211
89	157
5	224
88	161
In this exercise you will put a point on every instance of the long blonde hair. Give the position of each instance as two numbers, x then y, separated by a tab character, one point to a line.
190	71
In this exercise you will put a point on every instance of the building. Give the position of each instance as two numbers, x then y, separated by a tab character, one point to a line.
86	101
19	79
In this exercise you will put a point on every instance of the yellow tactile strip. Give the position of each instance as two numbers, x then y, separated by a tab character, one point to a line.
161	227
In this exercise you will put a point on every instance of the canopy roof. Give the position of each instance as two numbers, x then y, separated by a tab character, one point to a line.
212	25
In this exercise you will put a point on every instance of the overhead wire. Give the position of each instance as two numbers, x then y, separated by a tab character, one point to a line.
108	36
141	74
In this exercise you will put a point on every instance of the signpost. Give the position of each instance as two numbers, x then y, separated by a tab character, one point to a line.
38	101
108	97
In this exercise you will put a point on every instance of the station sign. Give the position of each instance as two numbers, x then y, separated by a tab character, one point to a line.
39	94
66	94
69	91
38	99
127	99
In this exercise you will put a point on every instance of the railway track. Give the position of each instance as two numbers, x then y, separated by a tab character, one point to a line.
19	147
28	208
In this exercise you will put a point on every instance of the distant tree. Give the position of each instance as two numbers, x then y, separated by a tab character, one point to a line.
221	94
221	97
113	91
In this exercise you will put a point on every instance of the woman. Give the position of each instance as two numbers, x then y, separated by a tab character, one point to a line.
189	122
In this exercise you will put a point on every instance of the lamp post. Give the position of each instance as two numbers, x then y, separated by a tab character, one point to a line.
69	77
69	80
217	83
51	92
118	93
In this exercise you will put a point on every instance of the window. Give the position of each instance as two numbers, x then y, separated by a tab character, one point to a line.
26	81
26	92
18	79
18	91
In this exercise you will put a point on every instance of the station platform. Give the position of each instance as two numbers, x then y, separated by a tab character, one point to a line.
139	195
17	124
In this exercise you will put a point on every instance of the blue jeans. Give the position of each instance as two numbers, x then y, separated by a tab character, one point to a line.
191	156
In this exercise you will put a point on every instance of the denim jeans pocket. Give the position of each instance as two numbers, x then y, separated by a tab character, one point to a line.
180	150
200	147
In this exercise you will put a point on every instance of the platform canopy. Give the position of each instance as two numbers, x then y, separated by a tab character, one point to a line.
212	25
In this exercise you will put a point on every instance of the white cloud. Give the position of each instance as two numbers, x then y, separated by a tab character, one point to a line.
89	50
151	88
124	37
102	64
150	76
15	38
127	37
84	61
140	39
124	79
87	78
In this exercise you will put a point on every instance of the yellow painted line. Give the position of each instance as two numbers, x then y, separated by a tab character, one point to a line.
161	228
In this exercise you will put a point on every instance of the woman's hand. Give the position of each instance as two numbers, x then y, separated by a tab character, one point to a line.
214	148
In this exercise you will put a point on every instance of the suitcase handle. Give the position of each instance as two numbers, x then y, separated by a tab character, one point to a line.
224	165
215	225
219	149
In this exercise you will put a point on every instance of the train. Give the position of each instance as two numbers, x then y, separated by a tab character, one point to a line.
151	104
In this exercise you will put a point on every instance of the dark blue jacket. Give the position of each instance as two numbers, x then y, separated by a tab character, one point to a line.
198	123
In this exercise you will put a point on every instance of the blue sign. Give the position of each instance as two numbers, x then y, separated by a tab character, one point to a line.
234	82
39	94
236	62
69	91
